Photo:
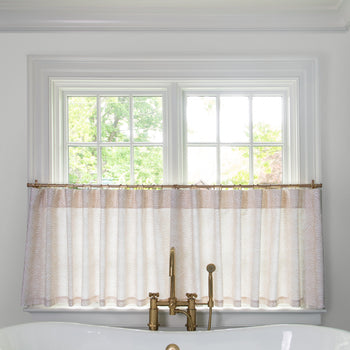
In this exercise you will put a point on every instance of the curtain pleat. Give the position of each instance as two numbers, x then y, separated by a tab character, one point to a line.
110	248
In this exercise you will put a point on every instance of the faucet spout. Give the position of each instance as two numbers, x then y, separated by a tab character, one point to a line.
190	324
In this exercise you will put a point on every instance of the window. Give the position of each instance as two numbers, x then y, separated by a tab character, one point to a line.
228	135
220	91
290	83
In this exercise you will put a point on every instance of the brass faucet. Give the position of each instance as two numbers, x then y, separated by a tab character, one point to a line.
174	304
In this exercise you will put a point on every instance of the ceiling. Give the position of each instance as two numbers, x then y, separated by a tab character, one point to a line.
41	15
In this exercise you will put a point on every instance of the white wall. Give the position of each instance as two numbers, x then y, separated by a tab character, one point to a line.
333	52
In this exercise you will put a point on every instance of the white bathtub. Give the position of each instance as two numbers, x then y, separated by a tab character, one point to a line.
73	336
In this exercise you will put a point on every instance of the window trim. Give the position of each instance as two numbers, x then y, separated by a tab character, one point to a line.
47	74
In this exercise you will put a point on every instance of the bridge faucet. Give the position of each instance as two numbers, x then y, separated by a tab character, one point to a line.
174	304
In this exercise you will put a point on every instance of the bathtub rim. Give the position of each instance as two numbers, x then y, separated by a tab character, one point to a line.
136	318
169	330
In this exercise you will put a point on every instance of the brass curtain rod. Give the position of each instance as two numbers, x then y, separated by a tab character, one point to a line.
272	186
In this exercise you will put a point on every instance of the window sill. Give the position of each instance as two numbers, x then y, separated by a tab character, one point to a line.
136	318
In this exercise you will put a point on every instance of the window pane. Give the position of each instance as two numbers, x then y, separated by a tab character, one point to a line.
234	119
115	119
201	165
267	119
148	119
82	164
201	119
148	165
115	165
82	119
234	165
267	165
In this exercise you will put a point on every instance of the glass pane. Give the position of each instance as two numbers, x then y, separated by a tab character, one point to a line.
201	119
148	119
268	165
115	165
82	119
201	165
82	165
148	165
234	165
267	119
115	119
234	119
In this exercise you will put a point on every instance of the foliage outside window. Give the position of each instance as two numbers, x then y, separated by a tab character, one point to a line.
228	138
239	136
115	139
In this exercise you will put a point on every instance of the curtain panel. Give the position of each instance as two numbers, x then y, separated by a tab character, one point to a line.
110	247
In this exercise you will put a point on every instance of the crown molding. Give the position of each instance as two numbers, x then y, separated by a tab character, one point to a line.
331	19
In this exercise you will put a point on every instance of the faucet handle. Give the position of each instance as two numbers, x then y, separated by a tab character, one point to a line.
153	295
211	268
191	295
153	312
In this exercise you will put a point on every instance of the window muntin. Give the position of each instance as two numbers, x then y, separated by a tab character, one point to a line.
114	138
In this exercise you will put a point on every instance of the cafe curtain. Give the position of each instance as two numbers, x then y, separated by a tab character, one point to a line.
110	247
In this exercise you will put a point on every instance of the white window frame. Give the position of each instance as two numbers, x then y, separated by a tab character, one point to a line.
49	76
174	163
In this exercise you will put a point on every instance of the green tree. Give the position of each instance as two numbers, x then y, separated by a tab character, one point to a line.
146	116
267	159
115	112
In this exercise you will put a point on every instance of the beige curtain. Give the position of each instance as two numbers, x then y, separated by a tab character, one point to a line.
110	247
